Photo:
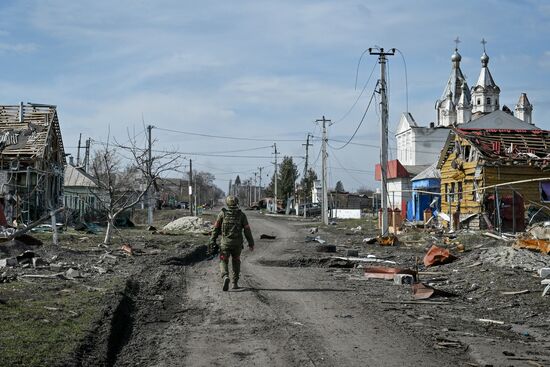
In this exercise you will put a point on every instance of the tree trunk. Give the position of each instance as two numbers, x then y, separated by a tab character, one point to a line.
109	232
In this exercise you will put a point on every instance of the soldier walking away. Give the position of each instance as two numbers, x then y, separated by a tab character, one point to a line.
231	223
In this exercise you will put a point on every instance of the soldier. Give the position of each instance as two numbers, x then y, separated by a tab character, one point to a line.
230	223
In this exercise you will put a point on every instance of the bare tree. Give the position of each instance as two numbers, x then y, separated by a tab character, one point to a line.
121	187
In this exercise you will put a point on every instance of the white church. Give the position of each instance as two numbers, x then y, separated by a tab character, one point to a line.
478	107
418	147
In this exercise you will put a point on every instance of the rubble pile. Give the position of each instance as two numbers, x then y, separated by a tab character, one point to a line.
189	224
506	256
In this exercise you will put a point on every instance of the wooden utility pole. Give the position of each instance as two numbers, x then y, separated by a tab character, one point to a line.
260	196
150	190
190	187
383	134
78	152
324	174
276	178
306	178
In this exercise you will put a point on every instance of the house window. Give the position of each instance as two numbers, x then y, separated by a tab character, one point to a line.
488	100
545	191
446	192
452	193
459	191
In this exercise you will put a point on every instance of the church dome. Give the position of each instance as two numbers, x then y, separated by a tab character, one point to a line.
484	59
456	56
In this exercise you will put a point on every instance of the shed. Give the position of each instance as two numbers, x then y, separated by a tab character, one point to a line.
426	188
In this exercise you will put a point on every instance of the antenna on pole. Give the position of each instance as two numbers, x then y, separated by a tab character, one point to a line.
384	133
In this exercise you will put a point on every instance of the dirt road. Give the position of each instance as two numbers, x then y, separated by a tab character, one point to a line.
283	315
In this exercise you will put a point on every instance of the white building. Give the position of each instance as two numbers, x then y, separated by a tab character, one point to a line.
460	106
477	108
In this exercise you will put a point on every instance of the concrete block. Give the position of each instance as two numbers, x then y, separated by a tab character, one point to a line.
352	253
403	279
38	261
10	261
544	272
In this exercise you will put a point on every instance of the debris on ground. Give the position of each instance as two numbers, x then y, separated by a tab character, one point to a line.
369	240
389	240
313	230
369	259
438	256
356	229
533	244
127	249
314	239
188	224
352	253
151	228
267	237
325	248
386	273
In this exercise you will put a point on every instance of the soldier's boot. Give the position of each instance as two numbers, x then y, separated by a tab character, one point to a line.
225	284
236	263
224	269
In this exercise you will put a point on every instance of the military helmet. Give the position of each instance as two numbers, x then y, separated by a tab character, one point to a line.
231	201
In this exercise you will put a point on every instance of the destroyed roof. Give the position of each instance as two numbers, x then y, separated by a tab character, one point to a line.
430	172
505	146
76	177
24	130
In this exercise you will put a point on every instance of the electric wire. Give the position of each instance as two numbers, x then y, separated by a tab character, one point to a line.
360	94
358	125
226	137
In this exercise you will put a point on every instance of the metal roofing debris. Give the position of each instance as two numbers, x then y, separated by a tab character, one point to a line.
438	256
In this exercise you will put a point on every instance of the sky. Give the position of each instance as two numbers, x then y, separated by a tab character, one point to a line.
263	71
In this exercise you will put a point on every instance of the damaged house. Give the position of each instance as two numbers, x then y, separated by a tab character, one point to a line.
32	160
475	166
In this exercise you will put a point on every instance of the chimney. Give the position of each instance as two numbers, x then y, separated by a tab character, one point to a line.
71	160
432	125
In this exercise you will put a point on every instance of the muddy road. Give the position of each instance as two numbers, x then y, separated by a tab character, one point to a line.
284	315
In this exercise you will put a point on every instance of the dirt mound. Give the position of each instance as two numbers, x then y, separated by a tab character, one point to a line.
188	224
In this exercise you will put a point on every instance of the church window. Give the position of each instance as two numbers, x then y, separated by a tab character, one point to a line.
488	100
478	101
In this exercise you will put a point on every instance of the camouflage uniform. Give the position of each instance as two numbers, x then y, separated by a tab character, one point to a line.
231	223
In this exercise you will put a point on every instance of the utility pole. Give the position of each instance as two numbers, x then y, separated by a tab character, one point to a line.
275	179
78	152
87	155
190	186
150	190
324	169
260	168
306	179
255	187
383	134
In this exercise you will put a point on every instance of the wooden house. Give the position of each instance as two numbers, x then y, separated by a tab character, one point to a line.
32	160
80	192
477	164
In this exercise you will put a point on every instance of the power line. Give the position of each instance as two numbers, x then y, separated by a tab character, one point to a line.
360	123
360	94
225	137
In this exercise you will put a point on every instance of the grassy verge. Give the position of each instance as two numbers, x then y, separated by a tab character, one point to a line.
44	320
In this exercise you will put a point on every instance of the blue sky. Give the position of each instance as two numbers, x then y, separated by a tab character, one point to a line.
259	69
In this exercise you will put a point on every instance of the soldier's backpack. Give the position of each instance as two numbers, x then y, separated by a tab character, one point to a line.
232	223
